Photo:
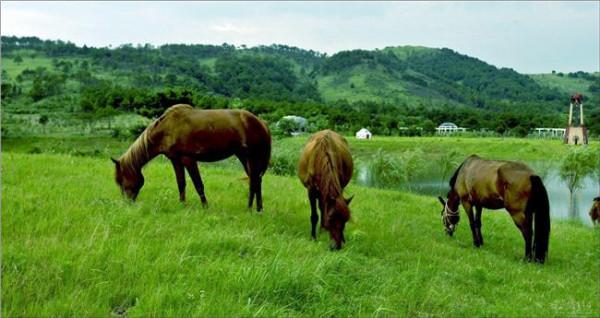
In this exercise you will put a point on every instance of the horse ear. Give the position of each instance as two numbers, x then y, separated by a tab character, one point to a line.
349	200
115	161
442	200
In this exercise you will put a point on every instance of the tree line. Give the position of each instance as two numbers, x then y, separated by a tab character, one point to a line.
277	80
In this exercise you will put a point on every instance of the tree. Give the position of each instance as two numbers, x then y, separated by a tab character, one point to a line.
45	85
43	120
576	165
286	126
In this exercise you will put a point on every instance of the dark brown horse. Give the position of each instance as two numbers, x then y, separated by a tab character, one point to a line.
325	168
491	184
595	211
186	135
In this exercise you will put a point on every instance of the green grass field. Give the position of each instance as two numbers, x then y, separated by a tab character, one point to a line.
492	148
71	246
528	150
13	69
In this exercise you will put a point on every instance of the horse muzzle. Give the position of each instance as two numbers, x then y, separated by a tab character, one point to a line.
450	229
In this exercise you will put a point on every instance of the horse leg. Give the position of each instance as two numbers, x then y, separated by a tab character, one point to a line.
255	188
257	180
251	195
322	210
524	224
251	191
469	209
180	175
528	235
192	168
314	217
255	175
478	209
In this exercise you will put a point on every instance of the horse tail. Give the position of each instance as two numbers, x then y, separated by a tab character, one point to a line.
538	204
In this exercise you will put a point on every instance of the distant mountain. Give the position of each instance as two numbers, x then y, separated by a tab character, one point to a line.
405	74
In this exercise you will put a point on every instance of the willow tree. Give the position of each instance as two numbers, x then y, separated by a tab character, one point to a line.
578	163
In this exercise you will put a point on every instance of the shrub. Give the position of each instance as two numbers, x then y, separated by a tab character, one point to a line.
384	169
35	150
284	162
115	132
137	129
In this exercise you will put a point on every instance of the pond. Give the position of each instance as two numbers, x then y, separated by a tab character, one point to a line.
558	192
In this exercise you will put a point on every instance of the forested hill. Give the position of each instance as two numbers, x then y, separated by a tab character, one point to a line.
145	79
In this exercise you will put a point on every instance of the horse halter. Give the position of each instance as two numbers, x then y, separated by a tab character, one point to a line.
448	212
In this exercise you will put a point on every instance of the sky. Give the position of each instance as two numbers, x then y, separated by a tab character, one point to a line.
529	37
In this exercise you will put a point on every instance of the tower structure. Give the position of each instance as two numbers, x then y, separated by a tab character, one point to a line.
576	133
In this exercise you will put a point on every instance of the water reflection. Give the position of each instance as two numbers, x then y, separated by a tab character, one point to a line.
558	192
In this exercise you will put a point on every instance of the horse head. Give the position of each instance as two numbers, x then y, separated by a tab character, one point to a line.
450	214
130	181
338	213
595	210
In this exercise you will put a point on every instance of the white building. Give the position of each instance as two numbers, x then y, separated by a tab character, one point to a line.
550	132
447	127
363	134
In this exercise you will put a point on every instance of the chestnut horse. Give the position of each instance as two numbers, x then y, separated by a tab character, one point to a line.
595	211
495	185
186	135
325	168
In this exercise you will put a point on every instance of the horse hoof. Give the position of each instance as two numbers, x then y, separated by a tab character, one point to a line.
335	247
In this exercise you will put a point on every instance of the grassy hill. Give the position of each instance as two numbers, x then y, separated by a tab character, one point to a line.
74	247
407	73
568	84
384	90
375	80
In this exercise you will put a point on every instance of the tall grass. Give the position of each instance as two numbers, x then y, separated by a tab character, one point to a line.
71	246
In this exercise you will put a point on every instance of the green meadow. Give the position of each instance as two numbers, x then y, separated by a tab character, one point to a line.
72	246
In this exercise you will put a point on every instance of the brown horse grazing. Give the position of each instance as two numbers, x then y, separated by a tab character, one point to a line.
325	168
186	135
595	211
495	185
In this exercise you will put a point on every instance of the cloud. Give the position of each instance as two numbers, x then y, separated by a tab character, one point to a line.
232	28
526	36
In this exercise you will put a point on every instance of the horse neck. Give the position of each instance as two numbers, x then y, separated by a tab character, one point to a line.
138	154
452	194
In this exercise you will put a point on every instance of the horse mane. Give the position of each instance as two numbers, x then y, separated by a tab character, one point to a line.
455	175
329	183
137	155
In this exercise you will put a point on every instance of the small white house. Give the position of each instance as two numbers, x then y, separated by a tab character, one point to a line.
445	128
363	134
